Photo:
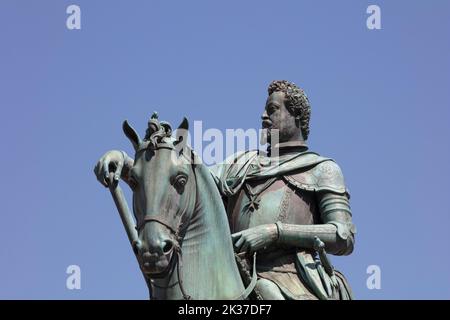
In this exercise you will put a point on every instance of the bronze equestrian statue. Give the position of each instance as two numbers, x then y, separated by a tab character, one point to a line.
288	205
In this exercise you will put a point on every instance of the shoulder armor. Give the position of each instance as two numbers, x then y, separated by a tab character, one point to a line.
325	176
329	177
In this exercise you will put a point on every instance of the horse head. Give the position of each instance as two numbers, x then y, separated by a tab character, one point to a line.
164	193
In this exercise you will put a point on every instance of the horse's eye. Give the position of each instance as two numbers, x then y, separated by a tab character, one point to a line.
180	181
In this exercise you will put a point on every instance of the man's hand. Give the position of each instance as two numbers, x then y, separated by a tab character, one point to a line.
254	239
111	161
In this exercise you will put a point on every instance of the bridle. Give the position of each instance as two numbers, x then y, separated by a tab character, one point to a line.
175	229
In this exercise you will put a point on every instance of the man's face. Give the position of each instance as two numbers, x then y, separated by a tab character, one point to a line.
276	116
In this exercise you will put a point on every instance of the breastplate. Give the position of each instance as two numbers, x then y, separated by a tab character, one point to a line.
268	201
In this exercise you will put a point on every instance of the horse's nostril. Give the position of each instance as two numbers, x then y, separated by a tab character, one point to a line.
168	245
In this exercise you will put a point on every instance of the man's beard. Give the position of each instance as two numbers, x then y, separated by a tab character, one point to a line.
270	136
264	138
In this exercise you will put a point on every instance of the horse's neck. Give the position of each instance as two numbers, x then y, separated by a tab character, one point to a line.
209	269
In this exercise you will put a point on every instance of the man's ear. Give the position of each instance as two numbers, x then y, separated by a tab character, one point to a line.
131	134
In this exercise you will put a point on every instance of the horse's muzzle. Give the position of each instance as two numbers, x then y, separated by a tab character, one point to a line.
154	264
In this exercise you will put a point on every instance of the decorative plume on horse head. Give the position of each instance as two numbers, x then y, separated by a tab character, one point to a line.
157	133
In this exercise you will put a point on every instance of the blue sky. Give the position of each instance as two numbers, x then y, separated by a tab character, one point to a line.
380	108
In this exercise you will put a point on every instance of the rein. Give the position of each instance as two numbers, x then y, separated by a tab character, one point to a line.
179	264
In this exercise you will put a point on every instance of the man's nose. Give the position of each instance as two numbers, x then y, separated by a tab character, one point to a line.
264	116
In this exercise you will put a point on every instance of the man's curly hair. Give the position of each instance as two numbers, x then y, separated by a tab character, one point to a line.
296	101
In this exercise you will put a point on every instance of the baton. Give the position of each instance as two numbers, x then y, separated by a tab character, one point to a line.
126	217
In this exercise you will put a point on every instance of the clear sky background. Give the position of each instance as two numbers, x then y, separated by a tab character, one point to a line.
380	107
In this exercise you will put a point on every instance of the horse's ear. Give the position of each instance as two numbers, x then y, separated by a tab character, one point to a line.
182	134
131	134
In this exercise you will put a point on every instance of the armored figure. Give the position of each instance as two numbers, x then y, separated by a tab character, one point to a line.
289	205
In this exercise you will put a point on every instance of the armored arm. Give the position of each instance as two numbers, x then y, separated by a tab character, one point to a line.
336	230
